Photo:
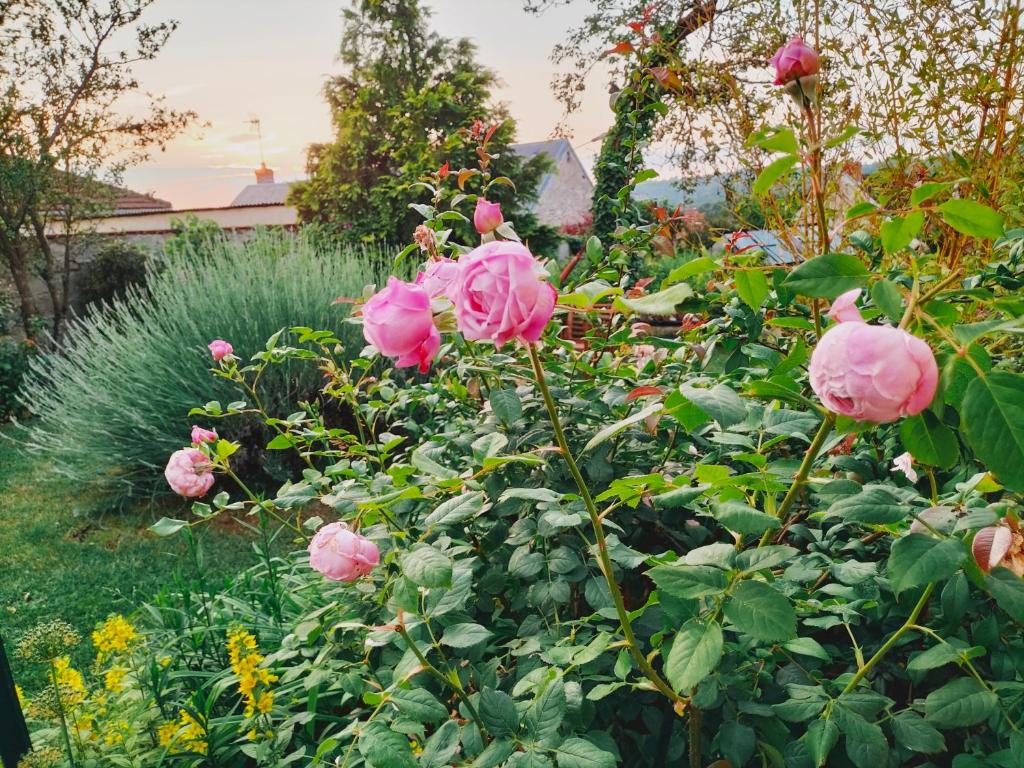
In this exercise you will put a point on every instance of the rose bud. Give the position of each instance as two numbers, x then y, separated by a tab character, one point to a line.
871	372
397	320
200	435
999	546
500	294
220	349
189	473
796	67
487	216
341	554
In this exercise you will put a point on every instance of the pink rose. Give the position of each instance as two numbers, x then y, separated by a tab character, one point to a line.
871	372
200	435
999	545
437	277
397	320
487	216
220	349
794	60
189	473
500	295
341	554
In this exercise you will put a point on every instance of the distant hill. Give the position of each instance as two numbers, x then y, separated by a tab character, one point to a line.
699	193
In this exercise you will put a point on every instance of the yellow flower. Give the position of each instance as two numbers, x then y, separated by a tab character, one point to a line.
166	733
115	635
165	661
114	679
253	680
265	703
22	701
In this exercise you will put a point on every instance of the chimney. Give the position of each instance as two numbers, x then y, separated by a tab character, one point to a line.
264	175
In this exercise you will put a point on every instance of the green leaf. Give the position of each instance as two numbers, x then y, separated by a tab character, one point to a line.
745	520
660	303
917	559
898	232
498	713
383	748
927	191
280	443
689	582
420	705
762	558
772	173
844	136
959	704
774	140
762	612
827	276
993	420
874	505
497	752
1008	590
807	646
821	738
720	403
548	710
168	526
888	298
465	635
930	441
425	566
611	430
506	405
914	733
737	742
695	653
441	746
457	509
692	268
752	286
972	218
580	753
864	741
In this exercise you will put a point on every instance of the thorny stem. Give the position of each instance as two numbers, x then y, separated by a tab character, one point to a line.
803	472
604	559
443	679
887	646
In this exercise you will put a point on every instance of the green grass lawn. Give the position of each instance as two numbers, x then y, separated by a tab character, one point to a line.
67	553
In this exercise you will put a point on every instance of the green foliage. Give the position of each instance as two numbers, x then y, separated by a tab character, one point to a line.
15	358
405	87
114	403
109	275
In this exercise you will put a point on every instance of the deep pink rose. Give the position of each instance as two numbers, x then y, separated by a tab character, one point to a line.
794	60
341	554
487	216
397	320
189	473
500	294
437	277
220	349
871	372
200	435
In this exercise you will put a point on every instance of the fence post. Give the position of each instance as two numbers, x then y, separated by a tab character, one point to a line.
14	740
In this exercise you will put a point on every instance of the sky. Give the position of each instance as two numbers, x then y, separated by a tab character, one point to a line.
233	60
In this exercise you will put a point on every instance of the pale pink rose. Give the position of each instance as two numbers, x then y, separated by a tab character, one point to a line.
220	349
500	294
341	554
872	372
794	60
905	463
438	277
397	320
999	545
487	216
189	473
200	435
844	308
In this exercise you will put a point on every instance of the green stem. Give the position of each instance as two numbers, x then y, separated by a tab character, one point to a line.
604	559
449	682
887	646
60	711
693	729
804	471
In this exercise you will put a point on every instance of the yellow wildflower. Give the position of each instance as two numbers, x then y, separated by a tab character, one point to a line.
113	681
115	635
167	733
22	701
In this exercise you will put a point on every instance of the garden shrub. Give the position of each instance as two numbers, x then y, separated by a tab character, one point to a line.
15	358
108	276
115	398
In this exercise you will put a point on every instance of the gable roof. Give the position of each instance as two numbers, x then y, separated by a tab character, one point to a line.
556	149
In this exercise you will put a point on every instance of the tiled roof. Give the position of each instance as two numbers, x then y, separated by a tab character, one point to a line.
262	194
127	201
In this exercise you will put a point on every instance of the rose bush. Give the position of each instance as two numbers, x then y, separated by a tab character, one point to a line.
709	546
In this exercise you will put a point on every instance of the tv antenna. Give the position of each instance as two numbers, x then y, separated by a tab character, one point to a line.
256	125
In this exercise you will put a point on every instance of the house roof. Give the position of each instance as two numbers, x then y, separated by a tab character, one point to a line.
262	194
127	201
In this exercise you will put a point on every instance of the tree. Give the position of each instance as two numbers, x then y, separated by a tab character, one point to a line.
65	66
400	113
